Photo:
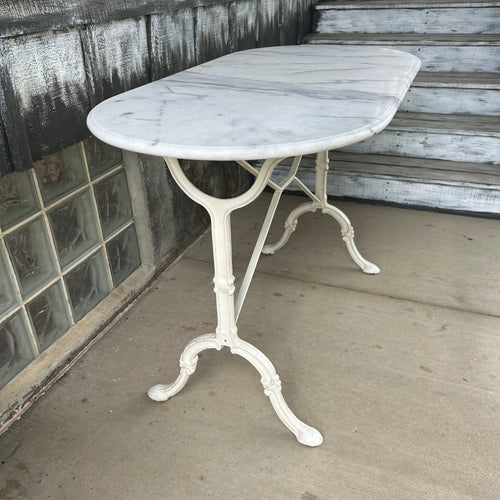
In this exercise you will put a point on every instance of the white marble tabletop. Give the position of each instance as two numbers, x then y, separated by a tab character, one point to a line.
261	103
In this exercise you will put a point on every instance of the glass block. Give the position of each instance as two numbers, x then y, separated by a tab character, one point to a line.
8	296
18	198
49	316
87	285
74	226
16	348
123	255
100	156
31	256
60	173
113	201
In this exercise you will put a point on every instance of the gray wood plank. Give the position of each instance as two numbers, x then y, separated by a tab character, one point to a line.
407	191
409	19
27	16
475	179
305	19
459	124
268	31
453	99
475	174
289	22
45	88
450	79
390	4
428	38
15	150
6	165
428	143
243	24
116	56
438	53
407	167
212	32
172	42
414	163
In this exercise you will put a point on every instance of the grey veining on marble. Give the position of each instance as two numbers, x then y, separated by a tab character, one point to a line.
261	103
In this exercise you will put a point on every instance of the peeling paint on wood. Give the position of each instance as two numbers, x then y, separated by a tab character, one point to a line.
15	145
212	32
305	16
268	30
46	77
366	19
117	57
5	163
446	53
243	24
464	101
289	19
19	17
172	42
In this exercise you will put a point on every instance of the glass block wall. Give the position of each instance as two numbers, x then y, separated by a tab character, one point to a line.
67	238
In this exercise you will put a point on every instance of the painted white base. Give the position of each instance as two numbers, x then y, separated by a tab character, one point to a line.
226	334
319	200
228	308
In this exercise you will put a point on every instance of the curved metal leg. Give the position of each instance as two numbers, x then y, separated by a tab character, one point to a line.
305	434
348	236
290	226
319	201
188	362
226	333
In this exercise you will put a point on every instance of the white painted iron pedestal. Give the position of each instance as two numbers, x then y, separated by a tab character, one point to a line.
227	308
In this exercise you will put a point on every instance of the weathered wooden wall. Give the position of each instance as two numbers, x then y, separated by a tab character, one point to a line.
59	58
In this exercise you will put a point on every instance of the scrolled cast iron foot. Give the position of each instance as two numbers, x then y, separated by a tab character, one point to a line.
370	268
271	382
188	362
348	236
309	436
161	393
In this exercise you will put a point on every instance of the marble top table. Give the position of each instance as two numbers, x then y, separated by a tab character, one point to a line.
263	104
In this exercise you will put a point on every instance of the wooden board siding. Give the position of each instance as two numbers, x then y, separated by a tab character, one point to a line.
58	59
268	28
44	81
289	11
172	42
243	24
14	148
369	18
409	181
4	148
305	16
439	53
447	137
212	32
117	57
19	17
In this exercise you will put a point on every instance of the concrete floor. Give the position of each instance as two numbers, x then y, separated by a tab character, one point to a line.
399	371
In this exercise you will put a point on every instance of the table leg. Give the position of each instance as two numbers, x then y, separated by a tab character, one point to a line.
320	201
226	333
